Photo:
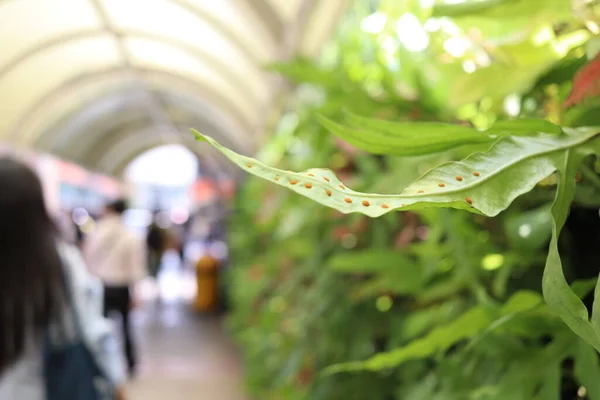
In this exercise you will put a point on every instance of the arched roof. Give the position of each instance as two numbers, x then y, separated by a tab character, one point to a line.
100	81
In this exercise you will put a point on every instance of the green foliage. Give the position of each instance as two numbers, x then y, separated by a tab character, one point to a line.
557	292
468	325
489	182
587	369
529	230
431	302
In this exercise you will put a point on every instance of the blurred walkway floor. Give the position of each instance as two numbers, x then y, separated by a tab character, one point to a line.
182	356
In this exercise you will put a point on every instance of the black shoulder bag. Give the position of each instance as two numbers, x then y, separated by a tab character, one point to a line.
69	367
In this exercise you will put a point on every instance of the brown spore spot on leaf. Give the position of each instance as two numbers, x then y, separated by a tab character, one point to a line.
326	179
459	178
469	200
342	187
385	206
441	184
248	165
348	200
311	175
328	192
366	203
420	191
476	173
307	185
276	178
403	205
293	182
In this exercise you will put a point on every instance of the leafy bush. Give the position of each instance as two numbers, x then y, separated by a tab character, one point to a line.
433	302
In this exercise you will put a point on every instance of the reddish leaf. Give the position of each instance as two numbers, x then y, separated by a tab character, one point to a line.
586	84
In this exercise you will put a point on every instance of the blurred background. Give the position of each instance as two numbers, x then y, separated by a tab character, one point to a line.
99	96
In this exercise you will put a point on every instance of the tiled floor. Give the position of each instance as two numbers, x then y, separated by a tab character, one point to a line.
182	356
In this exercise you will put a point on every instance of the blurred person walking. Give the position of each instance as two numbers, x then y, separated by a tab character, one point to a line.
54	341
117	257
156	244
180	235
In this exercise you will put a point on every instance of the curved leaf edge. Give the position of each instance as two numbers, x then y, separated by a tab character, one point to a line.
323	186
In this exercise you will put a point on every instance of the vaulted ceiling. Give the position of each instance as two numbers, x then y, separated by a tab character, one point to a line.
98	82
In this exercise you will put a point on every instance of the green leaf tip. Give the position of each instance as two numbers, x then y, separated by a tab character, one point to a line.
199	137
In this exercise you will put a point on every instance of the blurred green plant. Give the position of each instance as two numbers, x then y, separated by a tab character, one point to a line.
429	303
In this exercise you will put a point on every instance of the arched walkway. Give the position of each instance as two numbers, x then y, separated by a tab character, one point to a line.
99	82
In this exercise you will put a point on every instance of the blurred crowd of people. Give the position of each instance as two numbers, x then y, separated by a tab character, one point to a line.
58	287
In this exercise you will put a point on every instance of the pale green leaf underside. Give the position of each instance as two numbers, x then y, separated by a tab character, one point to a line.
484	182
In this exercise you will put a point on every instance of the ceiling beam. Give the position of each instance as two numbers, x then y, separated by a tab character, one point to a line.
84	128
92	148
155	112
133	143
205	58
223	28
215	99
269	16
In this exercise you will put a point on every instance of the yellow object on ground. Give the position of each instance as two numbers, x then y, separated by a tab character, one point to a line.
207	284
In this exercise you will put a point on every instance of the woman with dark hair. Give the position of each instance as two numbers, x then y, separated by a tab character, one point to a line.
42	282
